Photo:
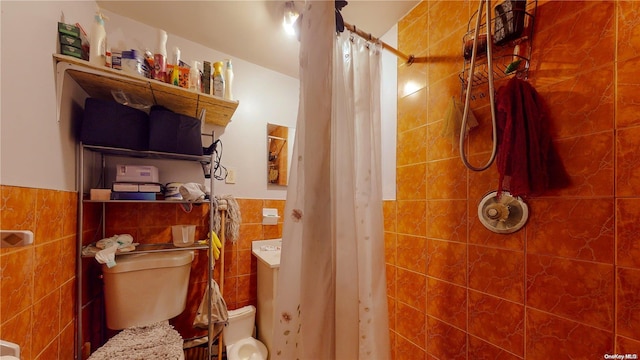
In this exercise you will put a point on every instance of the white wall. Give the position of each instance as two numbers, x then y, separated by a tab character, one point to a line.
37	151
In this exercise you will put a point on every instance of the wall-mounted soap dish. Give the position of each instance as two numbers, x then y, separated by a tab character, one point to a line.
270	216
15	238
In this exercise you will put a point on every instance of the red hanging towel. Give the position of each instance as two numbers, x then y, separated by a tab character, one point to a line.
527	161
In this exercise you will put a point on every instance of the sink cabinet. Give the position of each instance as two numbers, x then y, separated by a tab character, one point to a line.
268	254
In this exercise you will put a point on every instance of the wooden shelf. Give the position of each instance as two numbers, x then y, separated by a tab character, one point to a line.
99	82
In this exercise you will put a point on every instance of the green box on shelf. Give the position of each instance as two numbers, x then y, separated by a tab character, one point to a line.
68	29
69	40
71	51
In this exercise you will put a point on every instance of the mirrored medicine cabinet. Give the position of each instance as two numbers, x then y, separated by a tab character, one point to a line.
277	154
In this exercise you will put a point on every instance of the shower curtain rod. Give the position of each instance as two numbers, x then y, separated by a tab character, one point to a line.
410	59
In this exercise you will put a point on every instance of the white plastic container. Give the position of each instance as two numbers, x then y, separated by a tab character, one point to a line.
98	41
176	56
136	173
228	77
195	83
183	235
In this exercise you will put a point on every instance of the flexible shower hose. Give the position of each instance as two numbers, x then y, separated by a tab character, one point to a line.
465	115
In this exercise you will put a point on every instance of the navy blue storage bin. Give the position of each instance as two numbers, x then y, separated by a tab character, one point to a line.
108	123
173	132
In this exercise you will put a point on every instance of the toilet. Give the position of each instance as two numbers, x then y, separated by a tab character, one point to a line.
141	293
238	336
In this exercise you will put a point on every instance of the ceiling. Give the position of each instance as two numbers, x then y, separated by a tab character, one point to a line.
251	29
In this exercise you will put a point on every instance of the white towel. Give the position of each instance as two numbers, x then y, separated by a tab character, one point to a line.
124	242
107	256
192	191
111	245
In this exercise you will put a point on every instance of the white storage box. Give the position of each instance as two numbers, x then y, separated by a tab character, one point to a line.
137	173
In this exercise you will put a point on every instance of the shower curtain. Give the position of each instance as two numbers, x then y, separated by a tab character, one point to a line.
331	295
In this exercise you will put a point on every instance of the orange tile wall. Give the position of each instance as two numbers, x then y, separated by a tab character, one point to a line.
37	282
568	284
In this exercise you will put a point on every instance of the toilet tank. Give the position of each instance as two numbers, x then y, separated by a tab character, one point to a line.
143	289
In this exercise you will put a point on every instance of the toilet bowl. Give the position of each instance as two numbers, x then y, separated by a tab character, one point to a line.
9	350
142	292
238	336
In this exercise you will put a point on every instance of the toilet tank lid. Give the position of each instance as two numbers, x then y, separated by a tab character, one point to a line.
241	311
143	261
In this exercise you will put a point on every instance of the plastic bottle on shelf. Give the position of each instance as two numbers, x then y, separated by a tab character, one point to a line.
175	72
228	77
98	41
176	56
218	79
516	61
194	77
160	57
516	52
108	57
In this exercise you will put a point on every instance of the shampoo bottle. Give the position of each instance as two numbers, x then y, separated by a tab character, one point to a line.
98	41
194	77
228	77
218	79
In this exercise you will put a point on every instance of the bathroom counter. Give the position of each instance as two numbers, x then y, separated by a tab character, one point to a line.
267	252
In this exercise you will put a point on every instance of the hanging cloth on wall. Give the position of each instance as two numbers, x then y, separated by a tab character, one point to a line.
527	161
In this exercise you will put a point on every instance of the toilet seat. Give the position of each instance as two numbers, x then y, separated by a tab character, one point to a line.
247	349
